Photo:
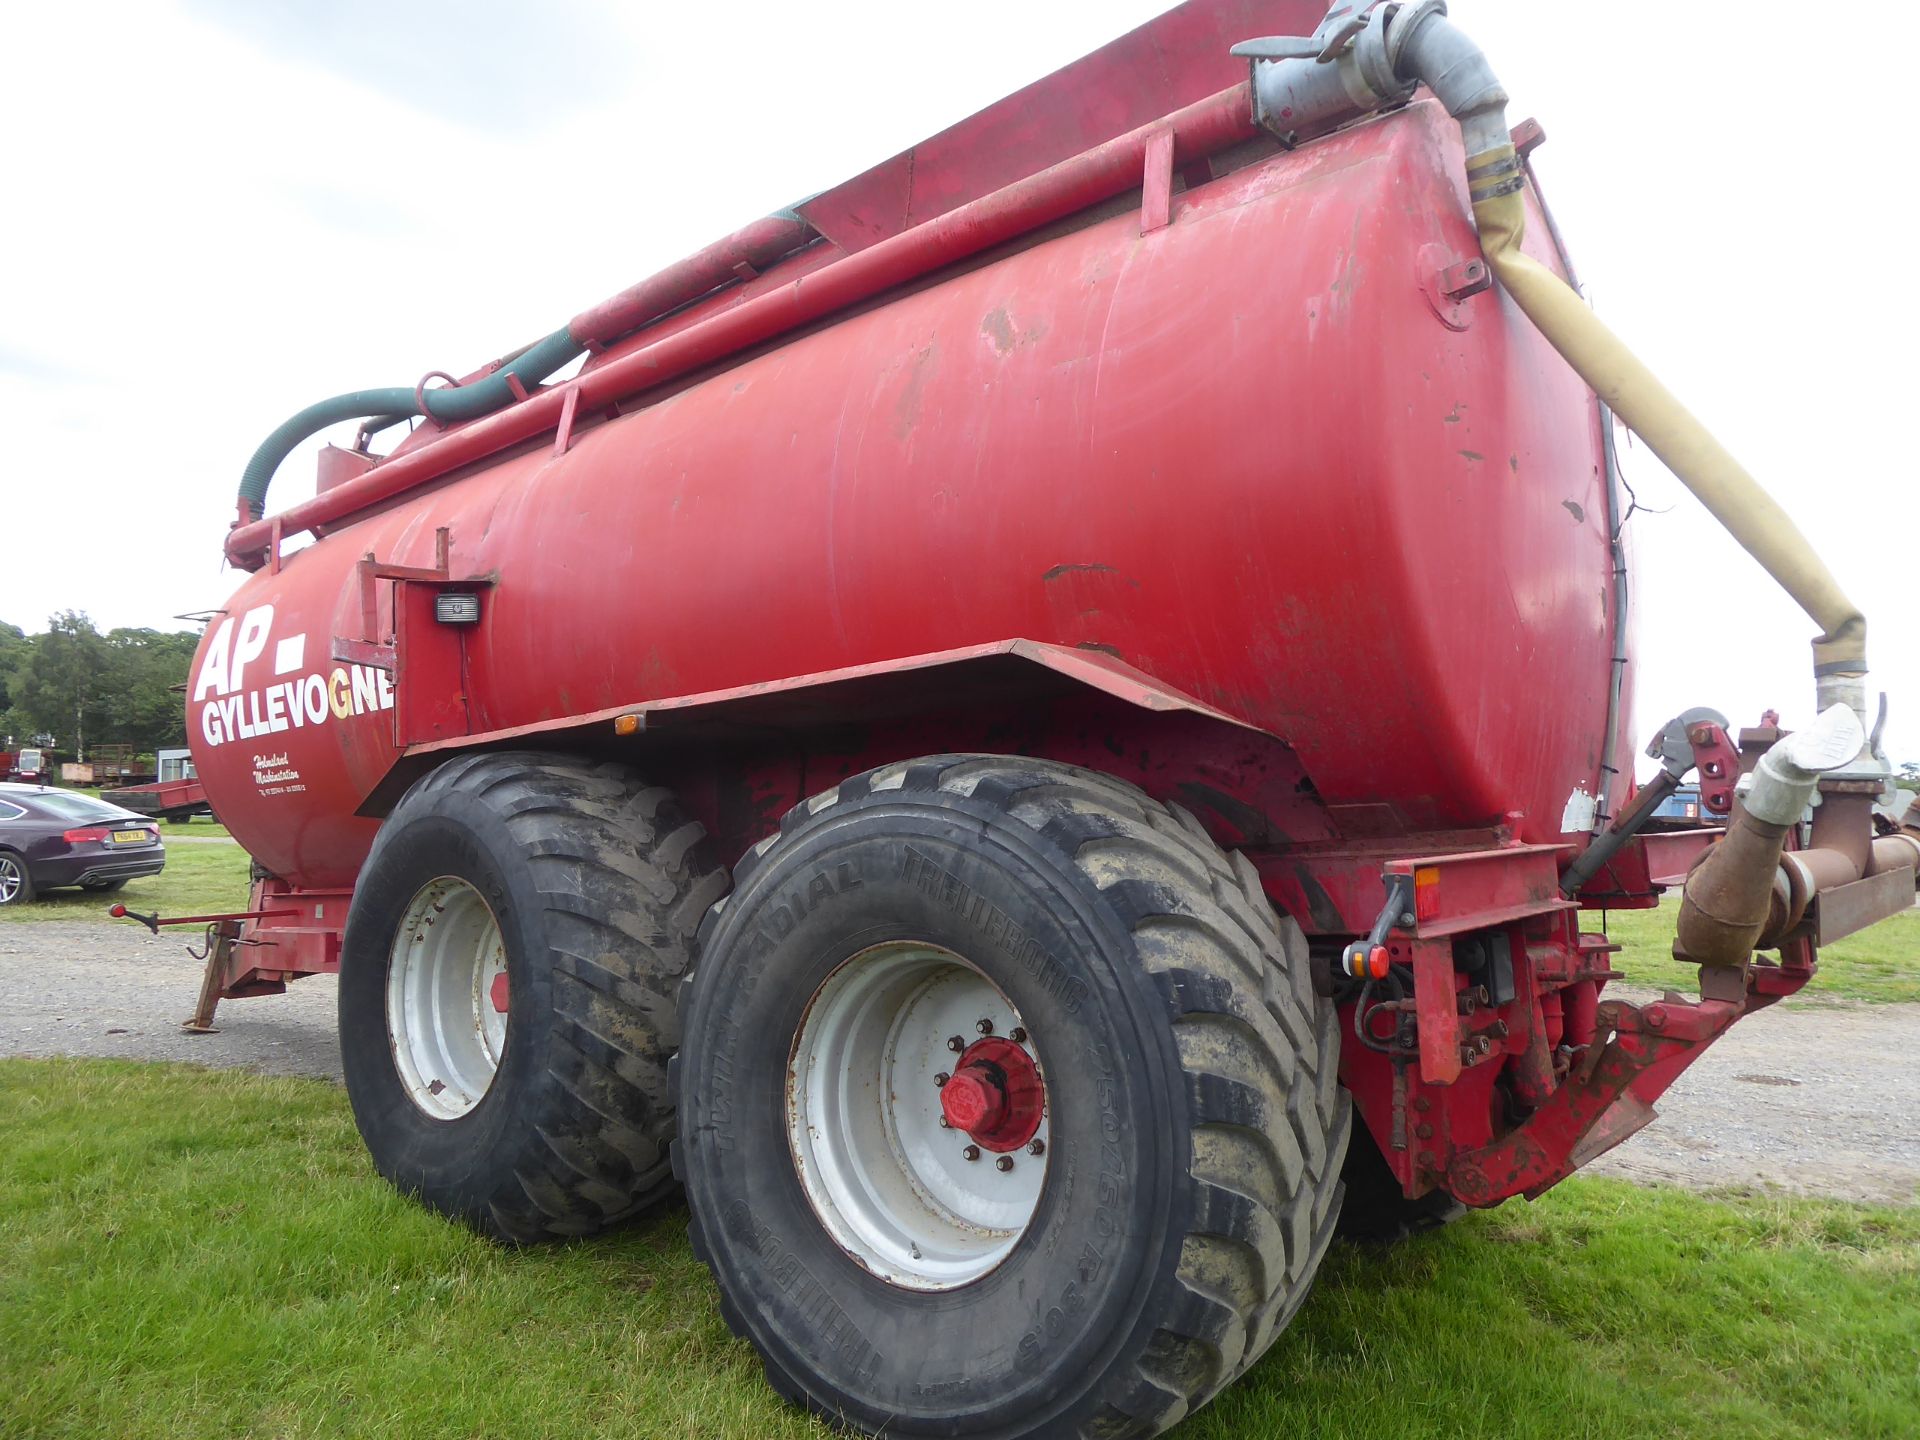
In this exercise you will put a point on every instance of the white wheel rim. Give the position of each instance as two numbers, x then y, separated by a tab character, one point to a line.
891	1184
446	998
9	879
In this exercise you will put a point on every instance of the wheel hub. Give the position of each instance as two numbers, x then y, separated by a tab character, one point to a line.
995	1095
447	992
890	1149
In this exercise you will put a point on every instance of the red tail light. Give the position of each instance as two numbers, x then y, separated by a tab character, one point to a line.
82	837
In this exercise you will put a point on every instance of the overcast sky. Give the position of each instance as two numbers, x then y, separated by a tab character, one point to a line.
218	211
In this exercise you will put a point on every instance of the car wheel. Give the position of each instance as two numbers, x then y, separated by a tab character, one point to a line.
16	881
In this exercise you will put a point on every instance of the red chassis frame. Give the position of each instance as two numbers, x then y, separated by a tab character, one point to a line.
1581	1072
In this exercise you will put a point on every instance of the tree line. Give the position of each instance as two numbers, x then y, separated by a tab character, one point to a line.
85	688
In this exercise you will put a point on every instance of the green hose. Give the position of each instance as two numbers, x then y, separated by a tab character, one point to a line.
449	406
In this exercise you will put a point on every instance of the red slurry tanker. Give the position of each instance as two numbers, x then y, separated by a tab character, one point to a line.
1042	732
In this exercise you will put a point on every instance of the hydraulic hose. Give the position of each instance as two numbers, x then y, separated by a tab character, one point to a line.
449	406
1650	410
1435	53
743	253
1370	58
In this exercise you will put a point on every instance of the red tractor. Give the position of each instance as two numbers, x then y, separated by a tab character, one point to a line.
1040	732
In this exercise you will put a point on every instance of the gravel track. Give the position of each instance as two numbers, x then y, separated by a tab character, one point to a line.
1810	1098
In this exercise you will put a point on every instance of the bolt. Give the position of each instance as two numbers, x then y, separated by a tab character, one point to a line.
1036	1147
956	1044
1018	1034
972	1152
1655	1016
1004	1163
945	1124
985	1027
1422	1104
1423	1130
941	1079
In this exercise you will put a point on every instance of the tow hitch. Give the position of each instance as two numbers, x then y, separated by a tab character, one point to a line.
222	937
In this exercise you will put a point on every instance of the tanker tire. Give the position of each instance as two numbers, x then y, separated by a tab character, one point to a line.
1377	1211
1198	1121
598	882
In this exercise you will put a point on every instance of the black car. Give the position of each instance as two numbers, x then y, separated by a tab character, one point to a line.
50	838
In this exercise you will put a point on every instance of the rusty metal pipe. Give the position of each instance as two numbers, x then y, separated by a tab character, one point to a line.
1891	852
1805	875
1730	896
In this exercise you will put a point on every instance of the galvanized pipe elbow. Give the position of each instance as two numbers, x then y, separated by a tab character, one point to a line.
1427	48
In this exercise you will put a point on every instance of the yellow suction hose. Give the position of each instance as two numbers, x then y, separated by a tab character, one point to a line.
1650	410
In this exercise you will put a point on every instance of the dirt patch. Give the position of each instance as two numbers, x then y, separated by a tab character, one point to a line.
75	987
1806	1096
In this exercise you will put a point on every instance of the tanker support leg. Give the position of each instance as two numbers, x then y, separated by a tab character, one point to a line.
221	935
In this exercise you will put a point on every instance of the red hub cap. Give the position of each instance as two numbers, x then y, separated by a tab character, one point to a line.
995	1095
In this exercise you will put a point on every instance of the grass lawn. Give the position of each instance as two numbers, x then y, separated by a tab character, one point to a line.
198	880
200	827
1879	963
192	1253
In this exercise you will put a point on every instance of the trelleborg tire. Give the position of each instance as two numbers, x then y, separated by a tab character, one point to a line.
508	983
1188	1180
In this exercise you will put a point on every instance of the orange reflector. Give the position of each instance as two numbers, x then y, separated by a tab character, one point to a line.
1426	892
626	724
1377	962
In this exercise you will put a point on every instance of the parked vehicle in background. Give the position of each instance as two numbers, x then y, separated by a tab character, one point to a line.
175	796
31	765
53	838
1682	810
109	765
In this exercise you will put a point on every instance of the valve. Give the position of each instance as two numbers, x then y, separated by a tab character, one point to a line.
1335	32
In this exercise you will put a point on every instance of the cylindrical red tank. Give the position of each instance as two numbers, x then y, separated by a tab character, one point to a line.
1258	454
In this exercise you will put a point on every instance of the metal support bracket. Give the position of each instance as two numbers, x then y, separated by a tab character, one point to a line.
1156	191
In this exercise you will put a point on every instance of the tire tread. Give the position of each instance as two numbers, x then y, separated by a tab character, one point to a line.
1262	1066
622	875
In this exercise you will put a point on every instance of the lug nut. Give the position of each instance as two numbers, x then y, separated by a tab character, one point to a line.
972	1152
945	1124
1018	1034
985	1027
1036	1147
956	1044
941	1079
1004	1163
